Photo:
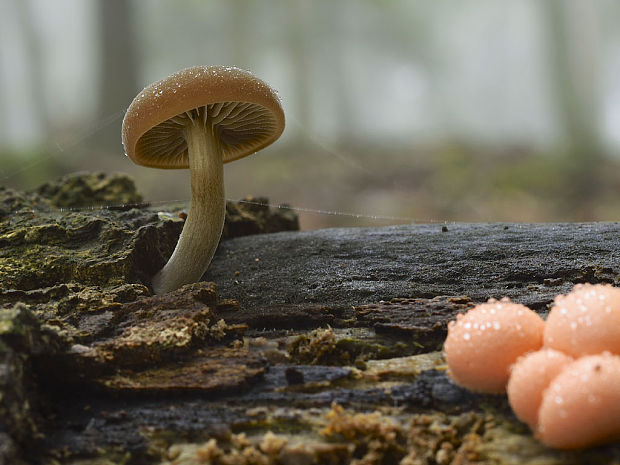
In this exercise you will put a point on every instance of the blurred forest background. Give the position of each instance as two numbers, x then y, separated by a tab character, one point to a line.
455	110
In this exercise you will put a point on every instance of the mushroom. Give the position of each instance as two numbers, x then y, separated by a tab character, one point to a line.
200	117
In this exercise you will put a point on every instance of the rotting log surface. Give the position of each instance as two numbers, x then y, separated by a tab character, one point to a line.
311	347
340	268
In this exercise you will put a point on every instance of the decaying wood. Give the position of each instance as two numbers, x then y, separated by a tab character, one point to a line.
299	347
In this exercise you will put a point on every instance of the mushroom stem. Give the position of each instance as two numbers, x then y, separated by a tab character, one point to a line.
203	226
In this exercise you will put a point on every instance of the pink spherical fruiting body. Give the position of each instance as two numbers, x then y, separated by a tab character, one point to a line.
585	321
581	406
529	377
483	343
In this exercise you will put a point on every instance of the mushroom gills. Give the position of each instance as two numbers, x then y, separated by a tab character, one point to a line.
235	123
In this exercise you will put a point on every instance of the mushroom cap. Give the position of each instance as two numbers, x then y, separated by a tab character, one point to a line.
585	321
483	343
246	111
529	377
581	407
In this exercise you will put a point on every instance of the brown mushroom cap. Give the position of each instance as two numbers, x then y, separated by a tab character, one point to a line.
245	110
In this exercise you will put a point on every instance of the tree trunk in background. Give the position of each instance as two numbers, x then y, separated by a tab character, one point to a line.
118	73
242	18
4	110
36	78
573	34
300	51
336	14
